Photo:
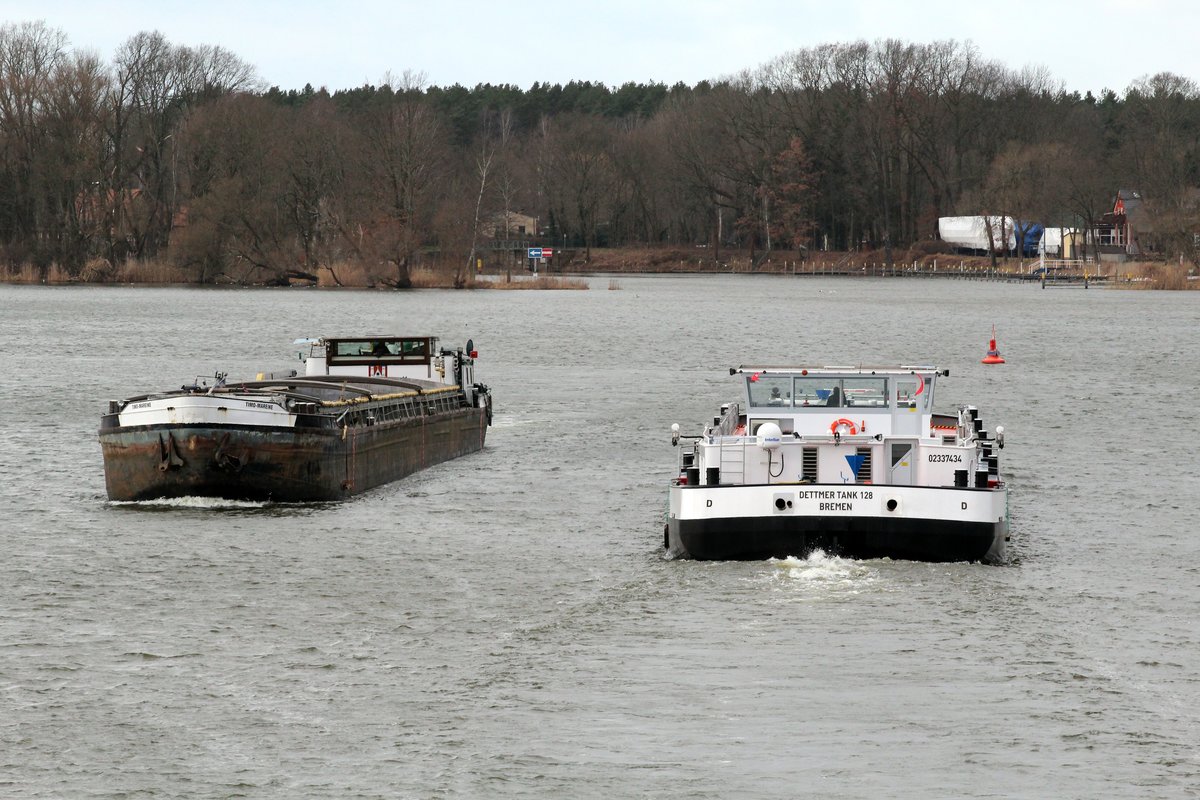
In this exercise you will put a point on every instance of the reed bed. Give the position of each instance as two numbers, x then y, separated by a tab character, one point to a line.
1166	277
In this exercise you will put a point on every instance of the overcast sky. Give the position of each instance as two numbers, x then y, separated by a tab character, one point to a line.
1089	45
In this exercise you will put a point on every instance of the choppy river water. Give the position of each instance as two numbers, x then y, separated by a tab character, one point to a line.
504	625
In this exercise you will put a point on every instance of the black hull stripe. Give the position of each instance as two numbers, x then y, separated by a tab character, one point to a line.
739	539
839	486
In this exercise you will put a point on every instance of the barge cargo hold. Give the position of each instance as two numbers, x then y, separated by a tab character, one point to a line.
368	410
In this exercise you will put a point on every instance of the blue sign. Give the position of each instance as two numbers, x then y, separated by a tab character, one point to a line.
855	462
535	252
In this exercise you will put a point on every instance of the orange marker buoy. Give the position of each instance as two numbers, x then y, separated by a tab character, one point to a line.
993	355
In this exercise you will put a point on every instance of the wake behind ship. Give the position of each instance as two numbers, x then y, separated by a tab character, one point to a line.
368	410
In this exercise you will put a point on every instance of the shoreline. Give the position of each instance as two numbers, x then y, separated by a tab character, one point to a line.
619	262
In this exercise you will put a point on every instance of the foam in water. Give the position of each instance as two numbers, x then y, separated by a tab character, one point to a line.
510	421
213	503
819	568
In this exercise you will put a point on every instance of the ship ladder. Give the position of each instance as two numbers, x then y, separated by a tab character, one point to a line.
733	462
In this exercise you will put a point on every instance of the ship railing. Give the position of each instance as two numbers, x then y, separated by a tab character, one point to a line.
727	423
731	454
398	406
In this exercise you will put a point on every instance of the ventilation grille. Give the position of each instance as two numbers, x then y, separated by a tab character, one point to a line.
808	465
864	469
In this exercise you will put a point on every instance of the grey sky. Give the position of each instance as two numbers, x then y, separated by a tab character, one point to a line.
1086	45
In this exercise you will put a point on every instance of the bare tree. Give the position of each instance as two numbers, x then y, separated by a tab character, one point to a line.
315	142
579	172
31	54
75	154
1163	148
155	84
497	131
406	154
241	219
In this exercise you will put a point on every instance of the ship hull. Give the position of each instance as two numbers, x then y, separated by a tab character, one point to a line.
936	524
281	464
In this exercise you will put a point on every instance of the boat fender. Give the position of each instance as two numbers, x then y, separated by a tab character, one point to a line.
837	423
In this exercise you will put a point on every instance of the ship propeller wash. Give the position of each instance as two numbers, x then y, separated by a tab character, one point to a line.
367	410
852	461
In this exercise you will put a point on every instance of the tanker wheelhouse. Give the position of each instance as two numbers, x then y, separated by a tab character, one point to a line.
849	460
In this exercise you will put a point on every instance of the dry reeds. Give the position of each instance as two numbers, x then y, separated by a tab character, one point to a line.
29	273
1169	277
154	272
543	282
1172	278
424	278
344	273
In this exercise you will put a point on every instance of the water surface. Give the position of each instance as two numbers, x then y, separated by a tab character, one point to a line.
504	625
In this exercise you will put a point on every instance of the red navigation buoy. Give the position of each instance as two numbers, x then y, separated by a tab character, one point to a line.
993	355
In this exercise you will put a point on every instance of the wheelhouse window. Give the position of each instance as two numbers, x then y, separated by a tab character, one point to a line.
913	391
390	349
865	392
769	390
819	390
361	347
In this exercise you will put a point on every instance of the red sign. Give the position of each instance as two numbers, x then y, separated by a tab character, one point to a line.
547	252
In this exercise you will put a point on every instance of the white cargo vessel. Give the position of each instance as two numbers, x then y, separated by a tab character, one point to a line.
849	460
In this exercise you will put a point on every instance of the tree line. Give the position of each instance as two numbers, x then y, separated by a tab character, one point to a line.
179	154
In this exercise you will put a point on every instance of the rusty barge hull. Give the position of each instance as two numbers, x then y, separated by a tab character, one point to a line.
270	463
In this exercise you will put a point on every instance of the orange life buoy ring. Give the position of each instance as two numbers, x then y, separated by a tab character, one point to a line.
837	423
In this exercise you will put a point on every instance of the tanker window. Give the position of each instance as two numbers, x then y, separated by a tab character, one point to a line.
866	392
914	391
769	390
819	391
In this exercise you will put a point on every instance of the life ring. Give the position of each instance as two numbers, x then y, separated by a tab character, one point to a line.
837	423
